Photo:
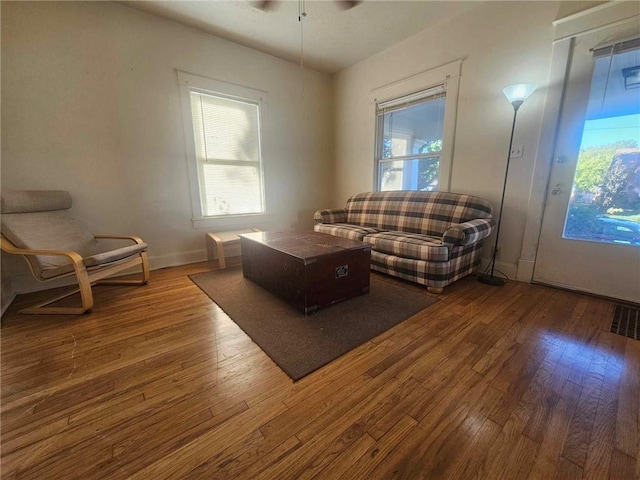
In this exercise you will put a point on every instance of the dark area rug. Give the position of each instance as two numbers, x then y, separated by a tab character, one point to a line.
300	344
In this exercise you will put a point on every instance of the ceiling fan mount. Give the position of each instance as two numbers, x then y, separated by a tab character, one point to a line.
267	5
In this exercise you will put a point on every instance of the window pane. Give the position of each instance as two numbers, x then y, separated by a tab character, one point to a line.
226	134
231	189
410	127
224	129
605	197
413	174
414	130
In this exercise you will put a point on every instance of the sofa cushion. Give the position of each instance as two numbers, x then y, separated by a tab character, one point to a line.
463	261
427	213
352	232
415	246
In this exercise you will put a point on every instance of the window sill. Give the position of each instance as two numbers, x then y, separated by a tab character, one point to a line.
232	222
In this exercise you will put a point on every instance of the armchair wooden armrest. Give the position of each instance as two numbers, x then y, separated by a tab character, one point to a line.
80	271
9	247
133	238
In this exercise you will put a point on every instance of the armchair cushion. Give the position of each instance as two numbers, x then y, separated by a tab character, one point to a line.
28	201
50	230
114	255
100	259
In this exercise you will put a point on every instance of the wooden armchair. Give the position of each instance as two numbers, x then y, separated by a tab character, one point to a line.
39	226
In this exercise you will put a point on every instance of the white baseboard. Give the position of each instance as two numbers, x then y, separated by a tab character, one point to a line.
525	270
508	269
175	259
6	303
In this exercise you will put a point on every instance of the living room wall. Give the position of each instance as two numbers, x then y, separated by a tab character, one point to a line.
90	104
499	43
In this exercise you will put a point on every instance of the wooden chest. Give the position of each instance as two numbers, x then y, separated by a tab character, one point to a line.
309	269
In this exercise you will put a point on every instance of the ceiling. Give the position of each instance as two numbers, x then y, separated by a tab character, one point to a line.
331	37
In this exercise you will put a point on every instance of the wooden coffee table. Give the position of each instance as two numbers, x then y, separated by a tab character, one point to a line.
309	269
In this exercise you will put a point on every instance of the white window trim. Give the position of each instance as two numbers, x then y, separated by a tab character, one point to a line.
594	19
447	75
187	83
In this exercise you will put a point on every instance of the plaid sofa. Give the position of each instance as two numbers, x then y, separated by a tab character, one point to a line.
431	238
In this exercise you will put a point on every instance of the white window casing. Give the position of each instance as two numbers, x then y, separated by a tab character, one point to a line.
222	128
437	82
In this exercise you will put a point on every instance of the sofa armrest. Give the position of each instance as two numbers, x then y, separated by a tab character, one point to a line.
468	233
332	215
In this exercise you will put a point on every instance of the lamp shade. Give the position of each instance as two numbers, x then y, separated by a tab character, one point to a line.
519	92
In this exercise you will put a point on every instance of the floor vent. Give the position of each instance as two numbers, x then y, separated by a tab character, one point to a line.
626	322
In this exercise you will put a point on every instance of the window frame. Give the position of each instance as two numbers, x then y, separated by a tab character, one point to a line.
447	76
399	104
194	83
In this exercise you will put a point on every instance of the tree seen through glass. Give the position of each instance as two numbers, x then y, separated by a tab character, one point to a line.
410	146
605	198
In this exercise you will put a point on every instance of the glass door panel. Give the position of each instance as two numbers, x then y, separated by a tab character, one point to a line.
590	234
604	205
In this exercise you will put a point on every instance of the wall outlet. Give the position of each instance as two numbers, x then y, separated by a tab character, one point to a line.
517	151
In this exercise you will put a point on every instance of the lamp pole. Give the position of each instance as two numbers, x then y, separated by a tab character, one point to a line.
516	94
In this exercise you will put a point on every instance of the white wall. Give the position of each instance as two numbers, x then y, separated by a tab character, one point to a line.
90	104
501	43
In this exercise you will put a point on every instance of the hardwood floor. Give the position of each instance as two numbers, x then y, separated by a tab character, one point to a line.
517	382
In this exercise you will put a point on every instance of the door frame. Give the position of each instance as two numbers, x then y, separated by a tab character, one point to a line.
566	30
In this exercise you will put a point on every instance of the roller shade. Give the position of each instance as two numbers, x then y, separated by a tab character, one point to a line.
617	47
410	100
227	144
225	129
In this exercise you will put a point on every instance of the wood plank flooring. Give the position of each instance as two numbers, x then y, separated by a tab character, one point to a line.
517	382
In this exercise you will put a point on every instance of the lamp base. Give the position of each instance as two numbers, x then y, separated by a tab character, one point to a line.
491	280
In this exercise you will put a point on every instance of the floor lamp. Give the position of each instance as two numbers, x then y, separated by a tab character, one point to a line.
516	94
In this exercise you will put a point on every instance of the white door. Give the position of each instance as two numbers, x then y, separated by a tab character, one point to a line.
590	236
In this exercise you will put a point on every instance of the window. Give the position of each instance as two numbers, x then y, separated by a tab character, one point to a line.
222	131
227	140
415	129
409	141
605	197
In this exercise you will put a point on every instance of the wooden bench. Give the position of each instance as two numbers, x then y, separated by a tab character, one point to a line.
218	241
